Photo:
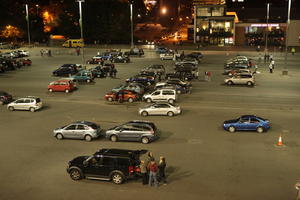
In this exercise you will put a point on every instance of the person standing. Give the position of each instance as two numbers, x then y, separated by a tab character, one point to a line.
205	75
42	52
161	170
271	68
273	63
49	53
293	51
78	51
143	172
152	167
209	76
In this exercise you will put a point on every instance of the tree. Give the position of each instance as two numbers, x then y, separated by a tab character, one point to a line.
11	32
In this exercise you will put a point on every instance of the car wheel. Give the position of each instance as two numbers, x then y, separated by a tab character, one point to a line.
148	83
249	83
11	108
32	109
67	91
117	178
231	129
75	174
88	80
88	138
178	91
55	74
124	61
114	138
149	100
98	76
145	140
59	136
260	129
171	101
229	74
110	99
130	100
170	114
229	83
145	113
50	90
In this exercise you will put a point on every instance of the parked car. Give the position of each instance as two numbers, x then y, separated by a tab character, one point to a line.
26	62
166	56
144	122
83	75
247	123
161	95
65	71
179	89
156	68
78	130
62	86
229	68
160	109
187	60
116	165
148	80
120	59
104	56
98	72
135	52
27	103
132	132
162	50
179	82
196	55
186	76
242	79
23	53
126	95
95	61
5	98
138	88
238	72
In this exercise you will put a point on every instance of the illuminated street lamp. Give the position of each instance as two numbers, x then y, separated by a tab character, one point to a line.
164	10
268	11
131	22
80	24
285	70
27	19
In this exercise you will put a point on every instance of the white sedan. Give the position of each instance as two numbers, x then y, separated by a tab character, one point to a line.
166	56
160	109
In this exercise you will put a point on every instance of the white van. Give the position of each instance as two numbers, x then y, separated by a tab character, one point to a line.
161	95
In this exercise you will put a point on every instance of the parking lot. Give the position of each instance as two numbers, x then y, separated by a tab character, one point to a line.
203	161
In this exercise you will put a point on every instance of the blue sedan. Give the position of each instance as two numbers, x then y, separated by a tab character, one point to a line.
247	123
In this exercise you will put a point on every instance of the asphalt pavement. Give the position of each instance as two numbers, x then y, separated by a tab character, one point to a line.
203	161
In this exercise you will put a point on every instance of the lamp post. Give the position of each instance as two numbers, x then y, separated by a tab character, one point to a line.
131	22
27	19
195	24
285	70
267	33
81	31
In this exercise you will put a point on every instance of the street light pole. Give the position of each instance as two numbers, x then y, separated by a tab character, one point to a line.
267	33
131	22
285	70
27	19
81	30
195	24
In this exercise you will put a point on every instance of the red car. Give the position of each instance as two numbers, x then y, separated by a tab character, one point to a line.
62	86
25	62
122	95
95	61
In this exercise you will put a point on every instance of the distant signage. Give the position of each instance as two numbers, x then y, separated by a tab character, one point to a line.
264	25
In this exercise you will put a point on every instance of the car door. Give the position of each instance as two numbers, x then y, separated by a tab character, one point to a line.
155	96
154	109
254	123
69	131
159	109
19	104
79	132
127	134
244	123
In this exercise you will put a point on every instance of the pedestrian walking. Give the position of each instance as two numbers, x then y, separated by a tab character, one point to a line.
273	64
259	58
162	170
152	167
271	57
114	72
293	51
271	68
144	175
265	58
49	53
209	76
120	97
77	51
42	52
197	75
205	76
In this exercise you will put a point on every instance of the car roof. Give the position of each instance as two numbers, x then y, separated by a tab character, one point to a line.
248	116
120	152
84	122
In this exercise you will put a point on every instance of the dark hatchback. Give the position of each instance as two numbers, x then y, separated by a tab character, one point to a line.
116	165
5	98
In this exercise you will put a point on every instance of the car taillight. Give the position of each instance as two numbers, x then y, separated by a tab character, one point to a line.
131	169
137	169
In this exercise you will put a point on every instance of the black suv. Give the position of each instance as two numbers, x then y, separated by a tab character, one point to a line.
5	97
115	165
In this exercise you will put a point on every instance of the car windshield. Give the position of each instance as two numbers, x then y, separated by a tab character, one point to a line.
38	100
261	118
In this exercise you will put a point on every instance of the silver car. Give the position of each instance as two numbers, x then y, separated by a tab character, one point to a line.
241	79
160	109
131	131
28	103
78	130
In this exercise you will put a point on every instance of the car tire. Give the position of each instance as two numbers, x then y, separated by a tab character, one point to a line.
110	99
144	113
130	100
145	140
148	100
88	80
55	74
75	174
148	83
124	61
229	83
88	138
178	91
117	178
260	129
98	76
229	74
113	138
249	83
31	109
231	129
170	114
11	108
59	136
67	91
50	90
171	101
